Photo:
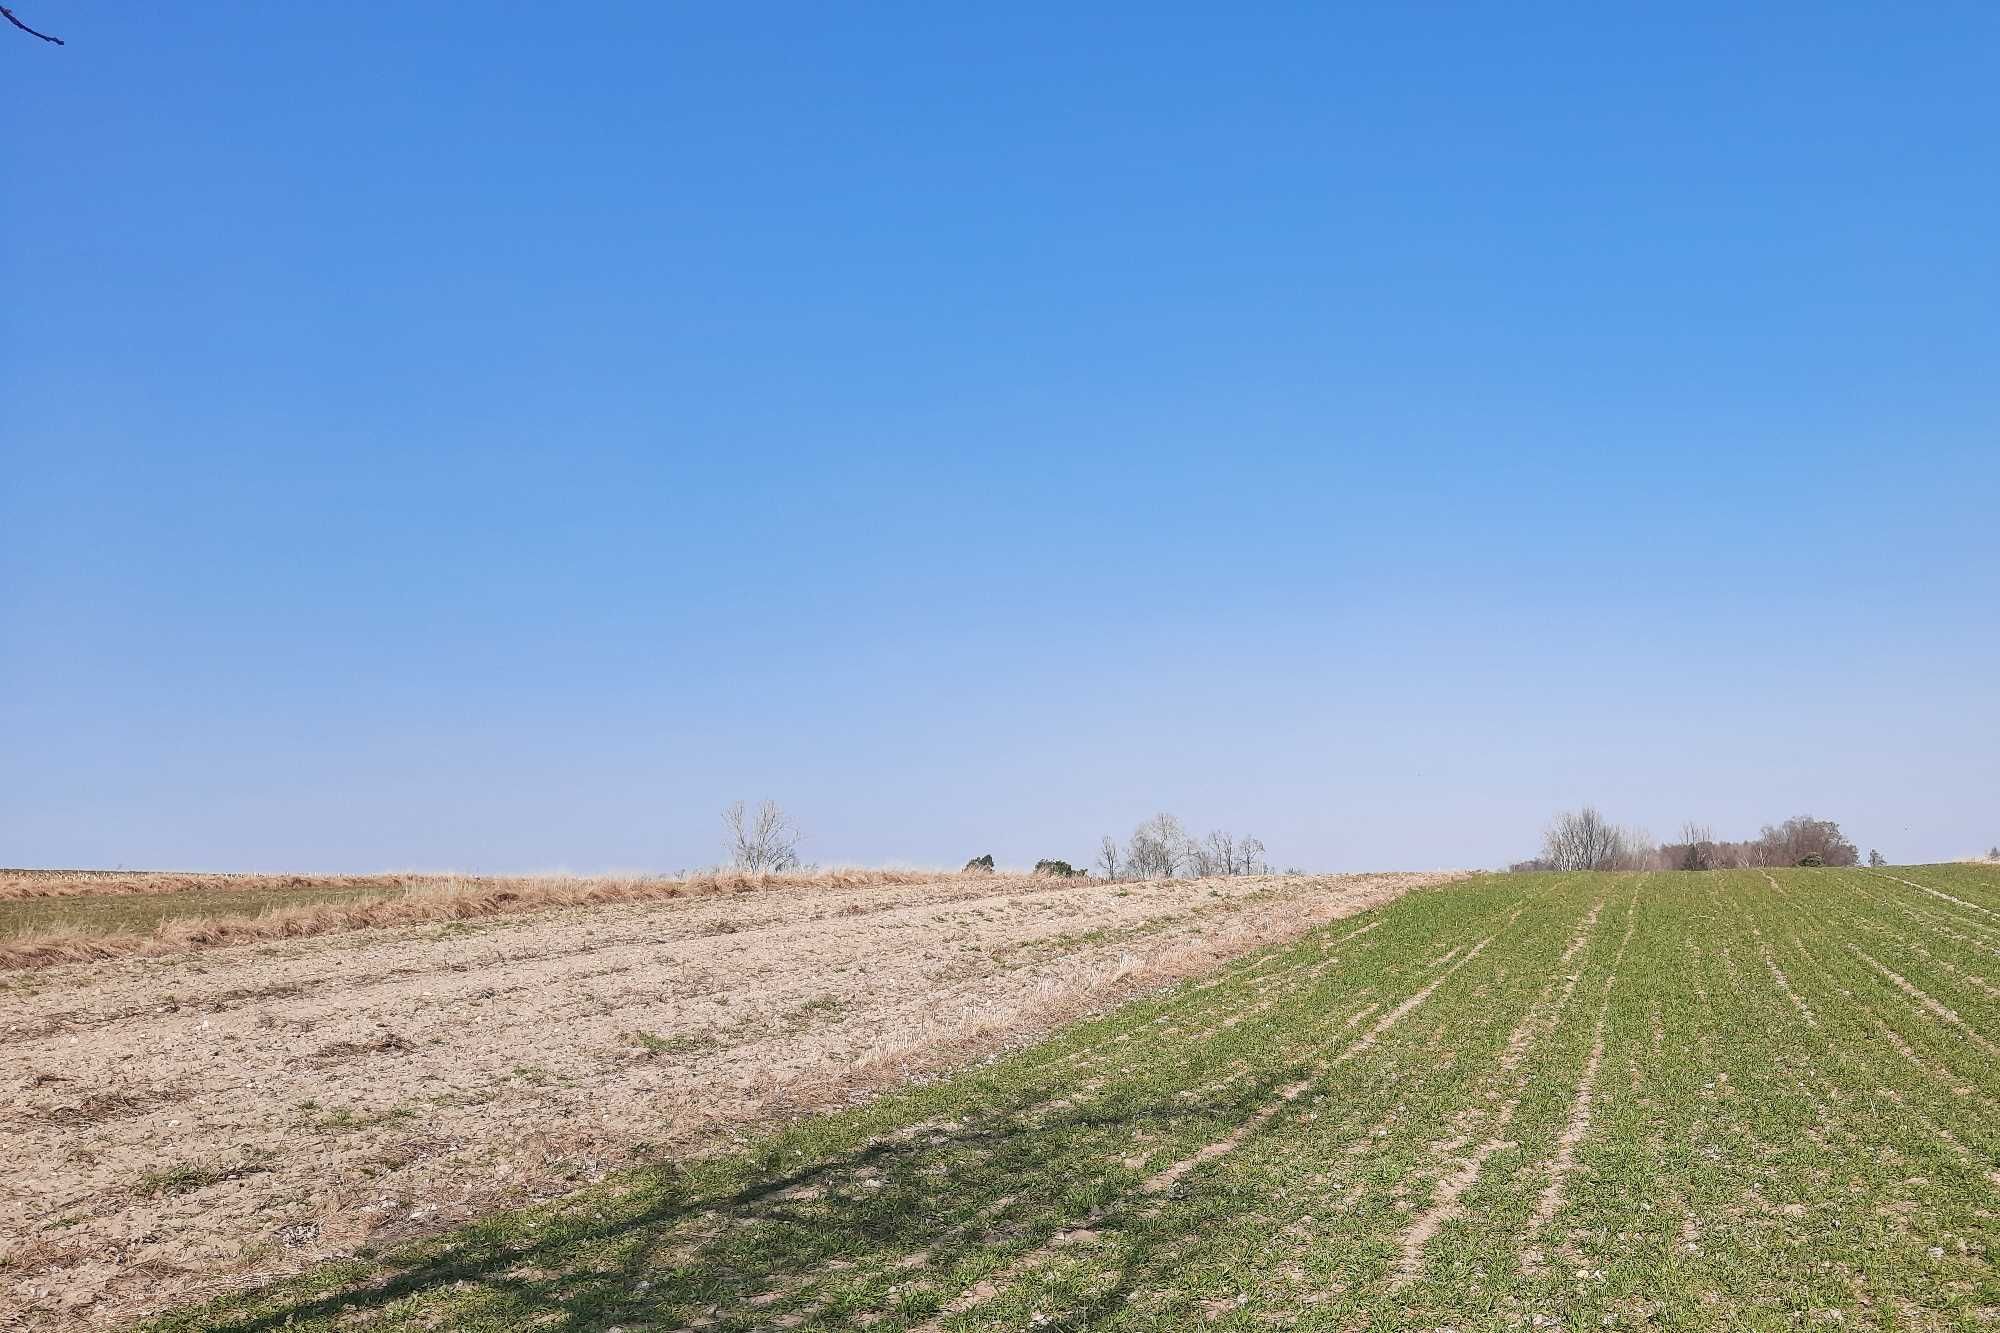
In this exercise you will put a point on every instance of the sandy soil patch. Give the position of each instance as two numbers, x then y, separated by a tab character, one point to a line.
174	1125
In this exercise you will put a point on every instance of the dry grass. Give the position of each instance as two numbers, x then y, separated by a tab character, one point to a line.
15	884
403	901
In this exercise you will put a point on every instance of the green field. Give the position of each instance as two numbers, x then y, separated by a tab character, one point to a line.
1717	1101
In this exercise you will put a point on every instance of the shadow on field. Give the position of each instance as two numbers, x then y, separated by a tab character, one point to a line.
926	1212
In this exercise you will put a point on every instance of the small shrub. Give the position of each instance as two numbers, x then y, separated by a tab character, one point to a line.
980	865
1812	859
186	1178
1058	869
175	1180
652	1043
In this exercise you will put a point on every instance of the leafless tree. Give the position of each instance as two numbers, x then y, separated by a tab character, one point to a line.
8	14
1158	849
1696	850
1161	848
1802	836
761	840
1584	840
1220	849
1144	857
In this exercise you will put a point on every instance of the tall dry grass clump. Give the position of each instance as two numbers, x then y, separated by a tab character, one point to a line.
409	901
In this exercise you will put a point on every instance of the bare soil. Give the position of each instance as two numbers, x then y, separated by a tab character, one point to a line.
171	1126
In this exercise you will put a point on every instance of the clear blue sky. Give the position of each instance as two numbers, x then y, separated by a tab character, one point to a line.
494	436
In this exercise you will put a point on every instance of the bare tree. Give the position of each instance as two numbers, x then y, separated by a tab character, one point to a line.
1107	856
1145	856
1802	836
1220	849
1158	849
1696	850
763	840
1584	840
1162	848
8	14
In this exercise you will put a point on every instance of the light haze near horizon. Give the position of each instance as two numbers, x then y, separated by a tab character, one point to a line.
475	438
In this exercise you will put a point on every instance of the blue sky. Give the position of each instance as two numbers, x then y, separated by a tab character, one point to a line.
493	437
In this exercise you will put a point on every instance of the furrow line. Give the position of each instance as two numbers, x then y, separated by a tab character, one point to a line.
1448	1193
1578	1123
1389	1020
1933	923
1972	979
1838	1053
1938	1073
1910	989
1939	893
1942	1076
1163	1180
1784	982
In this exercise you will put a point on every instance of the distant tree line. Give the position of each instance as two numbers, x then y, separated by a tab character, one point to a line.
764	839
1585	840
1161	848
